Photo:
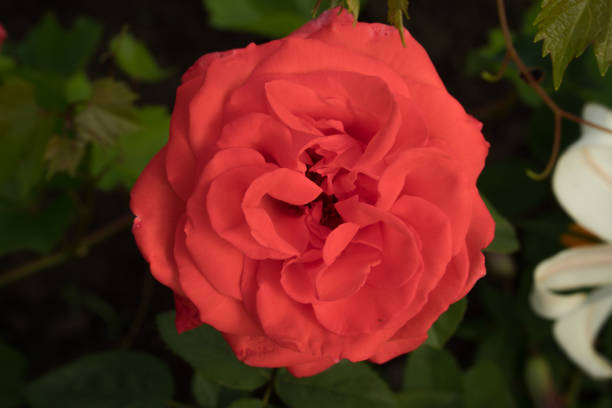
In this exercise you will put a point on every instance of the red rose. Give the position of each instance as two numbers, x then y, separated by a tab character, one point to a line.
3	35
316	199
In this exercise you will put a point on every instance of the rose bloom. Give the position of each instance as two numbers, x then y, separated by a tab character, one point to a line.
316	199
3	35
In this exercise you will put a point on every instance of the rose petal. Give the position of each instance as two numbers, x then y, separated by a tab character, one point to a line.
310	369
263	134
180	159
157	210
380	42
479	236
224	206
458	132
222	312
260	351
431	175
400	259
224	74
337	240
347	274
299	274
267	207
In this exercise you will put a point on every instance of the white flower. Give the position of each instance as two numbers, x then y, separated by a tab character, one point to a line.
582	183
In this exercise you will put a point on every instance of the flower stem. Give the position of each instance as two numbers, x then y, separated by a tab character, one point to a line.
552	105
60	257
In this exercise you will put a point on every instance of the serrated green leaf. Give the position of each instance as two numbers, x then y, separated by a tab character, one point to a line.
206	393
567	27
24	133
109	113
486	387
12	371
35	229
119	379
63	154
271	18
49	47
446	325
427	399
122	163
505	240
434	370
353	385
133	57
205	349
396	11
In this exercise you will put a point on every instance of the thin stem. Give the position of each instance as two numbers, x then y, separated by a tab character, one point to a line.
559	113
141	313
59	257
500	73
268	394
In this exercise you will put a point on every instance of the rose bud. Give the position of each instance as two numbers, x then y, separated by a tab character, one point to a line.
317	198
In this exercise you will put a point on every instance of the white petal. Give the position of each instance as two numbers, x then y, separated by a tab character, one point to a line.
582	180
574	268
576	333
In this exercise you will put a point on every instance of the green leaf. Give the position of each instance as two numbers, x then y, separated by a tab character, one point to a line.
205	349
486	387
24	133
446	325
36	229
271	18
119	379
433	370
109	113
133	57
12	371
353	385
505	240
122	163
569	26
249	403
206	393
427	399
49	47
396	11
78	88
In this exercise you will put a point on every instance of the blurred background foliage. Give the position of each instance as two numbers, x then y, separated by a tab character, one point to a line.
85	95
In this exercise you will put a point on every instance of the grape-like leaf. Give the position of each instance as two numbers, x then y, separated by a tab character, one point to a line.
108	114
63	154
396	11
567	27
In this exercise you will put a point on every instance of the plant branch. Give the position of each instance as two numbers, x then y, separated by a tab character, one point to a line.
57	258
552	105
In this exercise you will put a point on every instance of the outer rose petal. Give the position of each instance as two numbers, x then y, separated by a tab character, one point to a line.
225	313
260	351
309	369
157	210
458	133
223	74
377	41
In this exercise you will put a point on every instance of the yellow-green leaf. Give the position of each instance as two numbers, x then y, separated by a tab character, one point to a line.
63	154
133	57
567	27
